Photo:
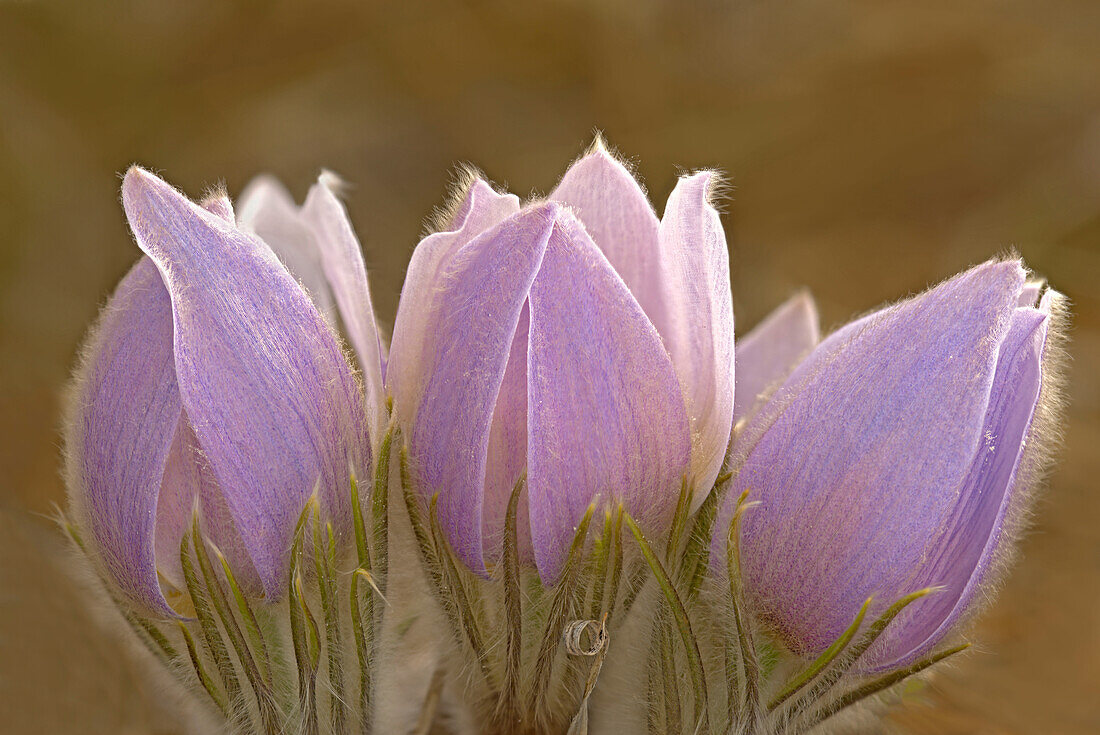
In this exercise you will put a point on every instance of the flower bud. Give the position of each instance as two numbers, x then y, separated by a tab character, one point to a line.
579	339
212	382
897	456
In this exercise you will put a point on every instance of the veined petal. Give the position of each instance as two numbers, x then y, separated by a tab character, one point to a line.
606	417
767	354
262	379
189	483
479	297
123	411
620	220
507	456
860	458
421	295
342	260
970	538
180	486
266	208
695	273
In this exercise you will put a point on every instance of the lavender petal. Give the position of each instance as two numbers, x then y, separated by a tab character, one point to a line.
699	333
619	218
123	413
266	209
969	542
477	300
342	260
606	417
262	379
859	459
480	209
767	354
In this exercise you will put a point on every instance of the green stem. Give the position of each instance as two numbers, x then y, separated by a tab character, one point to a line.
679	615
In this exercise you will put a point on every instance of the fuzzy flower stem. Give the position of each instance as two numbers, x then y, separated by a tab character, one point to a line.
693	564
507	709
264	700
830	674
302	638
559	611
454	584
252	625
380	512
430	556
679	614
746	715
214	642
616	562
679	520
200	671
324	557
362	609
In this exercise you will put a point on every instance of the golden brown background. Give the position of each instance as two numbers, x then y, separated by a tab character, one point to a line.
872	148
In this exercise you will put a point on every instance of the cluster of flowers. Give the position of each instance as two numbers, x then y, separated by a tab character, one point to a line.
561	379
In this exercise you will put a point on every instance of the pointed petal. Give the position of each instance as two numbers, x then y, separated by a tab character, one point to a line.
606	415
124	408
343	264
262	378
268	210
695	274
218	203
970	538
858	459
479	296
767	354
481	209
620	219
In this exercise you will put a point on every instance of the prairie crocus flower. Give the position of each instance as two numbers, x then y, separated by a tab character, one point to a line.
578	339
549	359
897	456
212	382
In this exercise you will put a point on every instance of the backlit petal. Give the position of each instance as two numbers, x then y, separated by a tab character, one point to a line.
970	538
342	260
219	203
699	333
507	458
619	218
479	296
422	293
267	209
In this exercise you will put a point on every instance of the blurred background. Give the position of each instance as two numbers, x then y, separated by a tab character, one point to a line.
872	148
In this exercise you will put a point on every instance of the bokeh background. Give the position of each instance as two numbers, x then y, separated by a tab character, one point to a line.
872	148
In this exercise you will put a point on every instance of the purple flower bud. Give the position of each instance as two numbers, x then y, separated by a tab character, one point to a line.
580	339
897	456
210	381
